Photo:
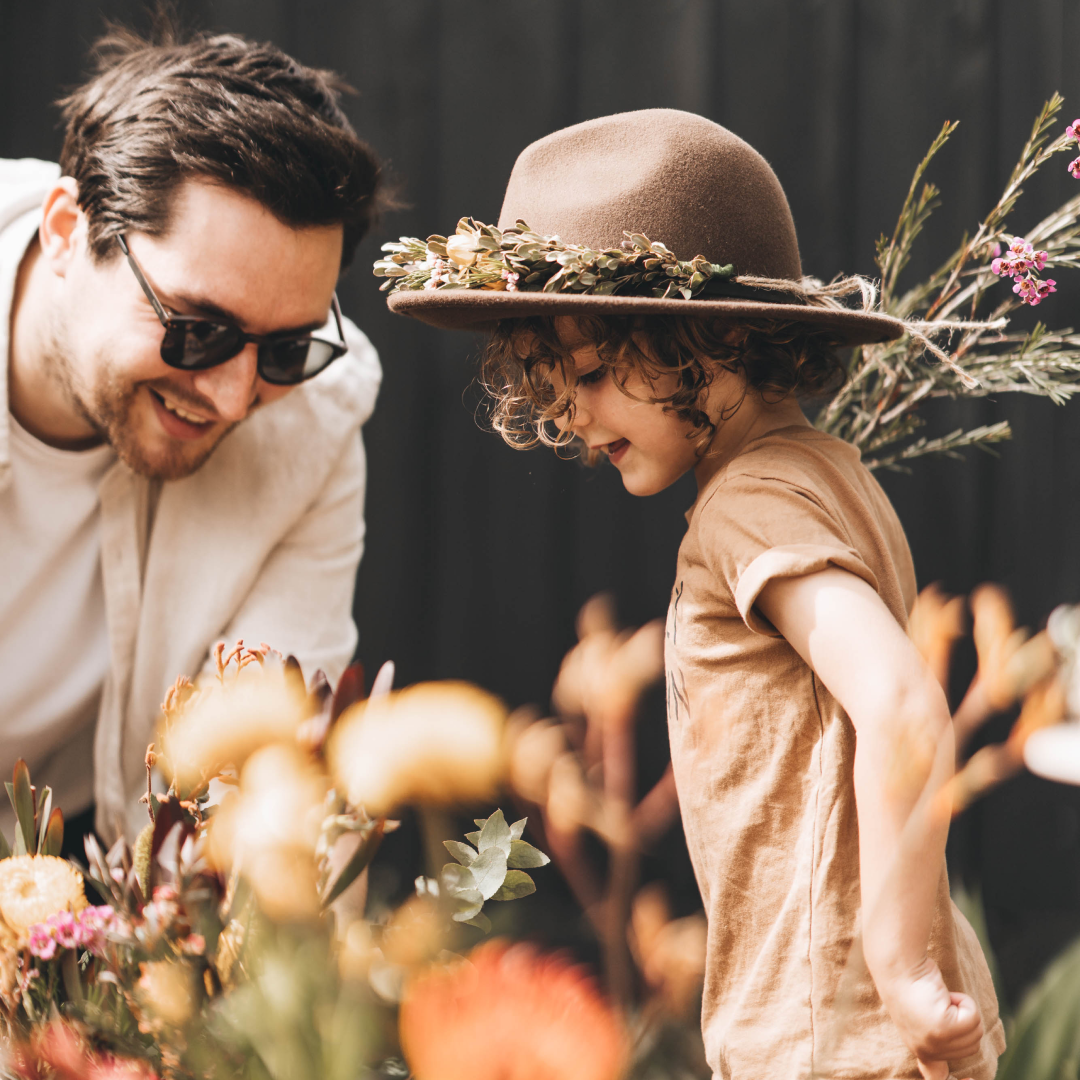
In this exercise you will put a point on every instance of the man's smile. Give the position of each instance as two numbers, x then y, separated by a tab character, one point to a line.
177	421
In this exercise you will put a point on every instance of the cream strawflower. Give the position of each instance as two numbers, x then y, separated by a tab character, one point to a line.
33	887
434	743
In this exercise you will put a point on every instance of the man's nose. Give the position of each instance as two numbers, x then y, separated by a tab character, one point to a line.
231	386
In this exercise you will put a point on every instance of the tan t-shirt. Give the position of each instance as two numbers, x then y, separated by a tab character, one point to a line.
763	759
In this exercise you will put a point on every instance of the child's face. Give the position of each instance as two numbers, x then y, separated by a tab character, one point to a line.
651	448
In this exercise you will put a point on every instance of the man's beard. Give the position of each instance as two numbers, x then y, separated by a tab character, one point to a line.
108	407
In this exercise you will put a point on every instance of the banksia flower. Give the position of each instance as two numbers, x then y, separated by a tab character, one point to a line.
510	1013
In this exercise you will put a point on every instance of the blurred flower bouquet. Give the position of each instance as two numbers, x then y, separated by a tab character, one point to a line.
231	940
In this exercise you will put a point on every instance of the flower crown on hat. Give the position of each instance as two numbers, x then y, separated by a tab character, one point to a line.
479	256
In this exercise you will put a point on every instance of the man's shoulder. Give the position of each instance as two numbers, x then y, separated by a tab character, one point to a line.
23	183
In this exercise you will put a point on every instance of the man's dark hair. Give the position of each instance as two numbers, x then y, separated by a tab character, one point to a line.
219	107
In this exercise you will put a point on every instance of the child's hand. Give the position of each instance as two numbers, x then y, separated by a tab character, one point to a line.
939	1026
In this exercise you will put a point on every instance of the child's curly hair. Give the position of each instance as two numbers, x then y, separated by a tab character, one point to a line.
775	358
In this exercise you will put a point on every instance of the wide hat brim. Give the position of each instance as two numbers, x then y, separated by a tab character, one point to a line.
481	310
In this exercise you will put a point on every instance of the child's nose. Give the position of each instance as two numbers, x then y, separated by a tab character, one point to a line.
575	420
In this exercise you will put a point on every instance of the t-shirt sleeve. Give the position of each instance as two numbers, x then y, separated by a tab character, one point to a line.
756	529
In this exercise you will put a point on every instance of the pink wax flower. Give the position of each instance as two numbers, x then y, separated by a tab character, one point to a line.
1074	168
995	251
1045	288
1073	130
42	942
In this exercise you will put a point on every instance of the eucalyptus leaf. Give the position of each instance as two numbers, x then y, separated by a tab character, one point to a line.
454	878
518	828
5	849
489	870
465	904
473	837
523	854
495	833
480	921
462	852
516	885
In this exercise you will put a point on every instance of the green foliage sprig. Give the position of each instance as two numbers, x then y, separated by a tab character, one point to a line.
878	408
480	256
490	867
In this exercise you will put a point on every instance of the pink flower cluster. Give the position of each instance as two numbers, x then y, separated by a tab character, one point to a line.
1072	132
1023	264
65	930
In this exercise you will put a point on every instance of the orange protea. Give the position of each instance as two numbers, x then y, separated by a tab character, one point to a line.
33	887
508	1012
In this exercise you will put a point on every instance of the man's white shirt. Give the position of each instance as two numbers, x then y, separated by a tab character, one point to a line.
112	585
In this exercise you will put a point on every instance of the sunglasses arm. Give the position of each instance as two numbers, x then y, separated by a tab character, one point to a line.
162	314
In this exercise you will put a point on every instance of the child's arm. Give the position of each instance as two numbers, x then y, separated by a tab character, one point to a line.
904	755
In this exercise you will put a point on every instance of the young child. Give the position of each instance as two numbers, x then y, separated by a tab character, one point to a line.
809	740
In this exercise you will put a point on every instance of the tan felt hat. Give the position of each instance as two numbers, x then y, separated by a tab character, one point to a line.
678	179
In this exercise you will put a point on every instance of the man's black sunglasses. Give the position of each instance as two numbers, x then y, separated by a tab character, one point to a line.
196	344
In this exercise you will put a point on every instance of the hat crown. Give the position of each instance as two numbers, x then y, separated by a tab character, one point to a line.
674	176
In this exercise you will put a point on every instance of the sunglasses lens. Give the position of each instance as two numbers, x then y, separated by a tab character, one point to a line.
197	344
285	363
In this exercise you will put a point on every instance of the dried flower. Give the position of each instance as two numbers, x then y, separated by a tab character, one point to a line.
532	756
461	249
166	990
433	743
33	887
270	828
935	624
520	1014
670	952
223	724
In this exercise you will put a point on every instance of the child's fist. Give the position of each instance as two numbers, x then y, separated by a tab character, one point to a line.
939	1026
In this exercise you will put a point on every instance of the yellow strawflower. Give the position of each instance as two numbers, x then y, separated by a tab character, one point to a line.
33	887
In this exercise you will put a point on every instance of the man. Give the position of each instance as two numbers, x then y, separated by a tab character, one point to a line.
180	458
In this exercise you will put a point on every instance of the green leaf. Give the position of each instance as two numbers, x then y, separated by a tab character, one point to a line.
523	854
473	837
53	840
462	852
489	871
480	921
495	833
44	810
1044	1043
516	885
5	849
23	800
361	857
518	828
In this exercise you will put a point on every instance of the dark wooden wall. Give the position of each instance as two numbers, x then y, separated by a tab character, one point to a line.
478	557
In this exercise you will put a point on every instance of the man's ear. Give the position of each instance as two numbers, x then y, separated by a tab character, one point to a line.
60	221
